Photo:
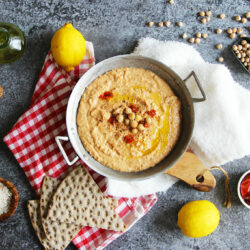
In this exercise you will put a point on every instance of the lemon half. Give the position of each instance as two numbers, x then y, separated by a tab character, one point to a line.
198	218
68	47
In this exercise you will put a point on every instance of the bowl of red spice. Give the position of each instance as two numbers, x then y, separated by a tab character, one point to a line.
8	199
244	189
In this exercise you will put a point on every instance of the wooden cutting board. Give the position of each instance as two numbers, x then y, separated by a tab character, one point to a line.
189	169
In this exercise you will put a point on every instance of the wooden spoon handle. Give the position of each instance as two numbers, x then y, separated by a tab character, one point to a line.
188	169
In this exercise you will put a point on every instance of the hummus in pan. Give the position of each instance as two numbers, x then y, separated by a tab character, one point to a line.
129	119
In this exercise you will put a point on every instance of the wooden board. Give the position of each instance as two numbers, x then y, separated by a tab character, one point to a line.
188	168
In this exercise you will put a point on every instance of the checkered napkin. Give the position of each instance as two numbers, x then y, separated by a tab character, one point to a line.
32	141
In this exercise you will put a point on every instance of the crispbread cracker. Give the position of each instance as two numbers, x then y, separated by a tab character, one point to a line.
54	230
79	200
34	213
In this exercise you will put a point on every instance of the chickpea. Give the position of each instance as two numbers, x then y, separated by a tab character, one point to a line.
207	18
191	40
243	35
222	16
204	35
138	118
243	20
218	31
229	31
150	24
232	35
171	1
198	35
184	35
127	121
167	23
160	24
128	111
234	47
234	30
219	46
238	18
202	13
208	13
133	124
197	40
134	131
131	116
120	118
141	127
239	30
148	119
220	59
203	20
247	15
179	24
243	42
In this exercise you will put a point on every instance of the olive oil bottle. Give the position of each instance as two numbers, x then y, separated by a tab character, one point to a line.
12	43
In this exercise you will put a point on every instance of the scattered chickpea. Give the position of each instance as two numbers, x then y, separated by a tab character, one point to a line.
179	24
243	42
208	13
160	24
167	23
203	20
218	31
198	35
148	120
184	35
140	127
171	1
133	124
222	16
207	18
232	35
247	15
243	20
150	24
234	47
239	30
238	18
219	46
120	118
128	111
127	121
131	116
138	118
204	35
229	31
202	13
197	40
191	40
234	30
134	131
220	59
243	35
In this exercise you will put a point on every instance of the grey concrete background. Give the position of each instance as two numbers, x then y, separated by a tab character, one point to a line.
115	27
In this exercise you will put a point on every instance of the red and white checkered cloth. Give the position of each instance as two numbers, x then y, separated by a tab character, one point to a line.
32	141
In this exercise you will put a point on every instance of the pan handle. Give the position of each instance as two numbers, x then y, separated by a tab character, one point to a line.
58	141
203	98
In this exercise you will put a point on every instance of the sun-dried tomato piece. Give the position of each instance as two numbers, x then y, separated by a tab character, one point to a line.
133	108
152	112
129	138
112	120
106	95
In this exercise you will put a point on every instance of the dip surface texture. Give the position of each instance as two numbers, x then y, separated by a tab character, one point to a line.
129	119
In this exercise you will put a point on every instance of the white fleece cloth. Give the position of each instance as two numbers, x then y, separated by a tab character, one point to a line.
222	122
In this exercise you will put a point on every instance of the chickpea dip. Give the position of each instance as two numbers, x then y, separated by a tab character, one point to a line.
129	119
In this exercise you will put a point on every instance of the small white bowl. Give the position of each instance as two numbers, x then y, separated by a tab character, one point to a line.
238	189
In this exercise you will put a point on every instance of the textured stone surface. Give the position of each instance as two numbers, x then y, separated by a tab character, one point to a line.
115	27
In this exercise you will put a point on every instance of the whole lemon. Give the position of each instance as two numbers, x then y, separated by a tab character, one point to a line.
68	47
198	218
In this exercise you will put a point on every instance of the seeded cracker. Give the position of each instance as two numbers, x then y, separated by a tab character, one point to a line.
79	200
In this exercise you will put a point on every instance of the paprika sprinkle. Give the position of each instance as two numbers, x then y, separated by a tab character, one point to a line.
106	95
129	138
152	113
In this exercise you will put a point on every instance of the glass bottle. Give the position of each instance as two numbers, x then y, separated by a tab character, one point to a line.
12	43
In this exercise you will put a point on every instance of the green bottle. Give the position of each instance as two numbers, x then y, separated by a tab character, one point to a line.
12	43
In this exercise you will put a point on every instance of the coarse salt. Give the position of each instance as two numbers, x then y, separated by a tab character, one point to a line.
5	198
